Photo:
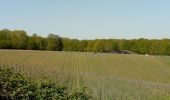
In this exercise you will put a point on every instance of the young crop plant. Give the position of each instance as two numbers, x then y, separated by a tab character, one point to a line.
108	76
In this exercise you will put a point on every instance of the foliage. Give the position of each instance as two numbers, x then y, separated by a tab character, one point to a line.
37	43
16	86
54	42
81	95
19	39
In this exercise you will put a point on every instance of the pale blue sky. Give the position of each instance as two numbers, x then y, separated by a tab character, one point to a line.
88	19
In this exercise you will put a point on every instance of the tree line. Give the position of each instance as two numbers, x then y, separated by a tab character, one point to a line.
18	39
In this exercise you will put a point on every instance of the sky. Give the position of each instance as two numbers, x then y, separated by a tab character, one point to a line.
88	19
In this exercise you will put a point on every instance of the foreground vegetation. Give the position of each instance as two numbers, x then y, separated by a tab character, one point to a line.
14	86
18	39
108	76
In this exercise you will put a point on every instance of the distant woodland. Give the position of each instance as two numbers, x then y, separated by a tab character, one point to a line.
19	39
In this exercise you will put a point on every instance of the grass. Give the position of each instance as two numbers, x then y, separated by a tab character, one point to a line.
109	76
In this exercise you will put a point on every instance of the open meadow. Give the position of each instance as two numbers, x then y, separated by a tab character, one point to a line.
108	76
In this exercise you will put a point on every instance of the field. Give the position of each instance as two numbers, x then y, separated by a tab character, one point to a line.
108	76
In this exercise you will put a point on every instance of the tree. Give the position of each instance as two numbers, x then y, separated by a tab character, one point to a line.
74	45
5	39
141	46
32	44
155	47
71	44
110	45
83	45
54	42
165	44
90	45
168	49
37	43
19	39
99	46
66	44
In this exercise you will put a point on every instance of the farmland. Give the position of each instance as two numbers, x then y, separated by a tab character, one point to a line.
108	76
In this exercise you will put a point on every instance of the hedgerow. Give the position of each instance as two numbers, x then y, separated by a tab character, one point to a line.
15	86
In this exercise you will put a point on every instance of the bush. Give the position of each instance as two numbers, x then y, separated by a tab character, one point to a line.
14	86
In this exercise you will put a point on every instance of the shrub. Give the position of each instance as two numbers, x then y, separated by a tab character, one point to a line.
14	86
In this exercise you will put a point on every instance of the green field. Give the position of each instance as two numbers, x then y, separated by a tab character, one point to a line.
108	76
